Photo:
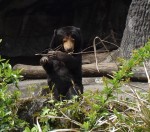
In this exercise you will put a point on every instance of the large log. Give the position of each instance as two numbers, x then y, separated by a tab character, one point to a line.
88	70
105	69
31	72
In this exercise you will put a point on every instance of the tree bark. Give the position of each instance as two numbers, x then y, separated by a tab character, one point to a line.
137	30
88	70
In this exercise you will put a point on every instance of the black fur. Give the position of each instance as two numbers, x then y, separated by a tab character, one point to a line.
64	70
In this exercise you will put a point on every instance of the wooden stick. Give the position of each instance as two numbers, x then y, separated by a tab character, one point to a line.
99	51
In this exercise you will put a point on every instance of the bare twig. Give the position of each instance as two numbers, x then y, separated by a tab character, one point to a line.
75	53
64	130
83	51
138	97
110	43
113	36
106	49
134	96
57	117
147	76
38	125
146	73
125	103
73	121
94	46
131	85
58	47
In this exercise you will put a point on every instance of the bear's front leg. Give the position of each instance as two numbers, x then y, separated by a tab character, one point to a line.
47	63
44	60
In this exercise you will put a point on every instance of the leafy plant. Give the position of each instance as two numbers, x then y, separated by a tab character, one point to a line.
99	110
8	100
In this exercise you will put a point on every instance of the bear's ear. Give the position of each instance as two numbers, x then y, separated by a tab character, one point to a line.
55	32
52	39
78	29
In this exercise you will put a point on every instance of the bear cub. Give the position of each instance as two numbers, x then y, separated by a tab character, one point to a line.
63	63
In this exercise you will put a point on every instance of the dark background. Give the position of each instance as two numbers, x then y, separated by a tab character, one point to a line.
26	26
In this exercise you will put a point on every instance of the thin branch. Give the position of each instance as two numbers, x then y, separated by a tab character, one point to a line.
147	76
38	125
138	97
58	47
57	117
113	36
125	103
94	46
110	43
131	85
106	49
64	130
73	121
131	95
75	53
82	52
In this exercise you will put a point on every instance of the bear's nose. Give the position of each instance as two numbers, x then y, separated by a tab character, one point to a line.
69	50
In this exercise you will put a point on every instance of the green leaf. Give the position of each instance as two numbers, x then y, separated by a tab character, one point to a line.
86	126
27	129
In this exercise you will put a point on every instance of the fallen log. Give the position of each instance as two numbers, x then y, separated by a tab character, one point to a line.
105	69
31	72
88	70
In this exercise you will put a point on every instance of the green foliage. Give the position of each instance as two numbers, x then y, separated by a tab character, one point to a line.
8	100
100	110
94	111
125	72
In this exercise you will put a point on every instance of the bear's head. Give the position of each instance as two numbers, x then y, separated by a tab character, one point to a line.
68	38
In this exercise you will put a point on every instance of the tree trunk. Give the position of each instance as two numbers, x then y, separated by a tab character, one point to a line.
137	30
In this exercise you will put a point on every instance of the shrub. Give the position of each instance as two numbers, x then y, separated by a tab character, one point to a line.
100	110
8	100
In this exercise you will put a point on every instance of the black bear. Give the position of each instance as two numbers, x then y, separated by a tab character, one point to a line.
63	64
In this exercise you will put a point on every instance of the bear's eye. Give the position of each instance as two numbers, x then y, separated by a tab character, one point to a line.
65	40
72	39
